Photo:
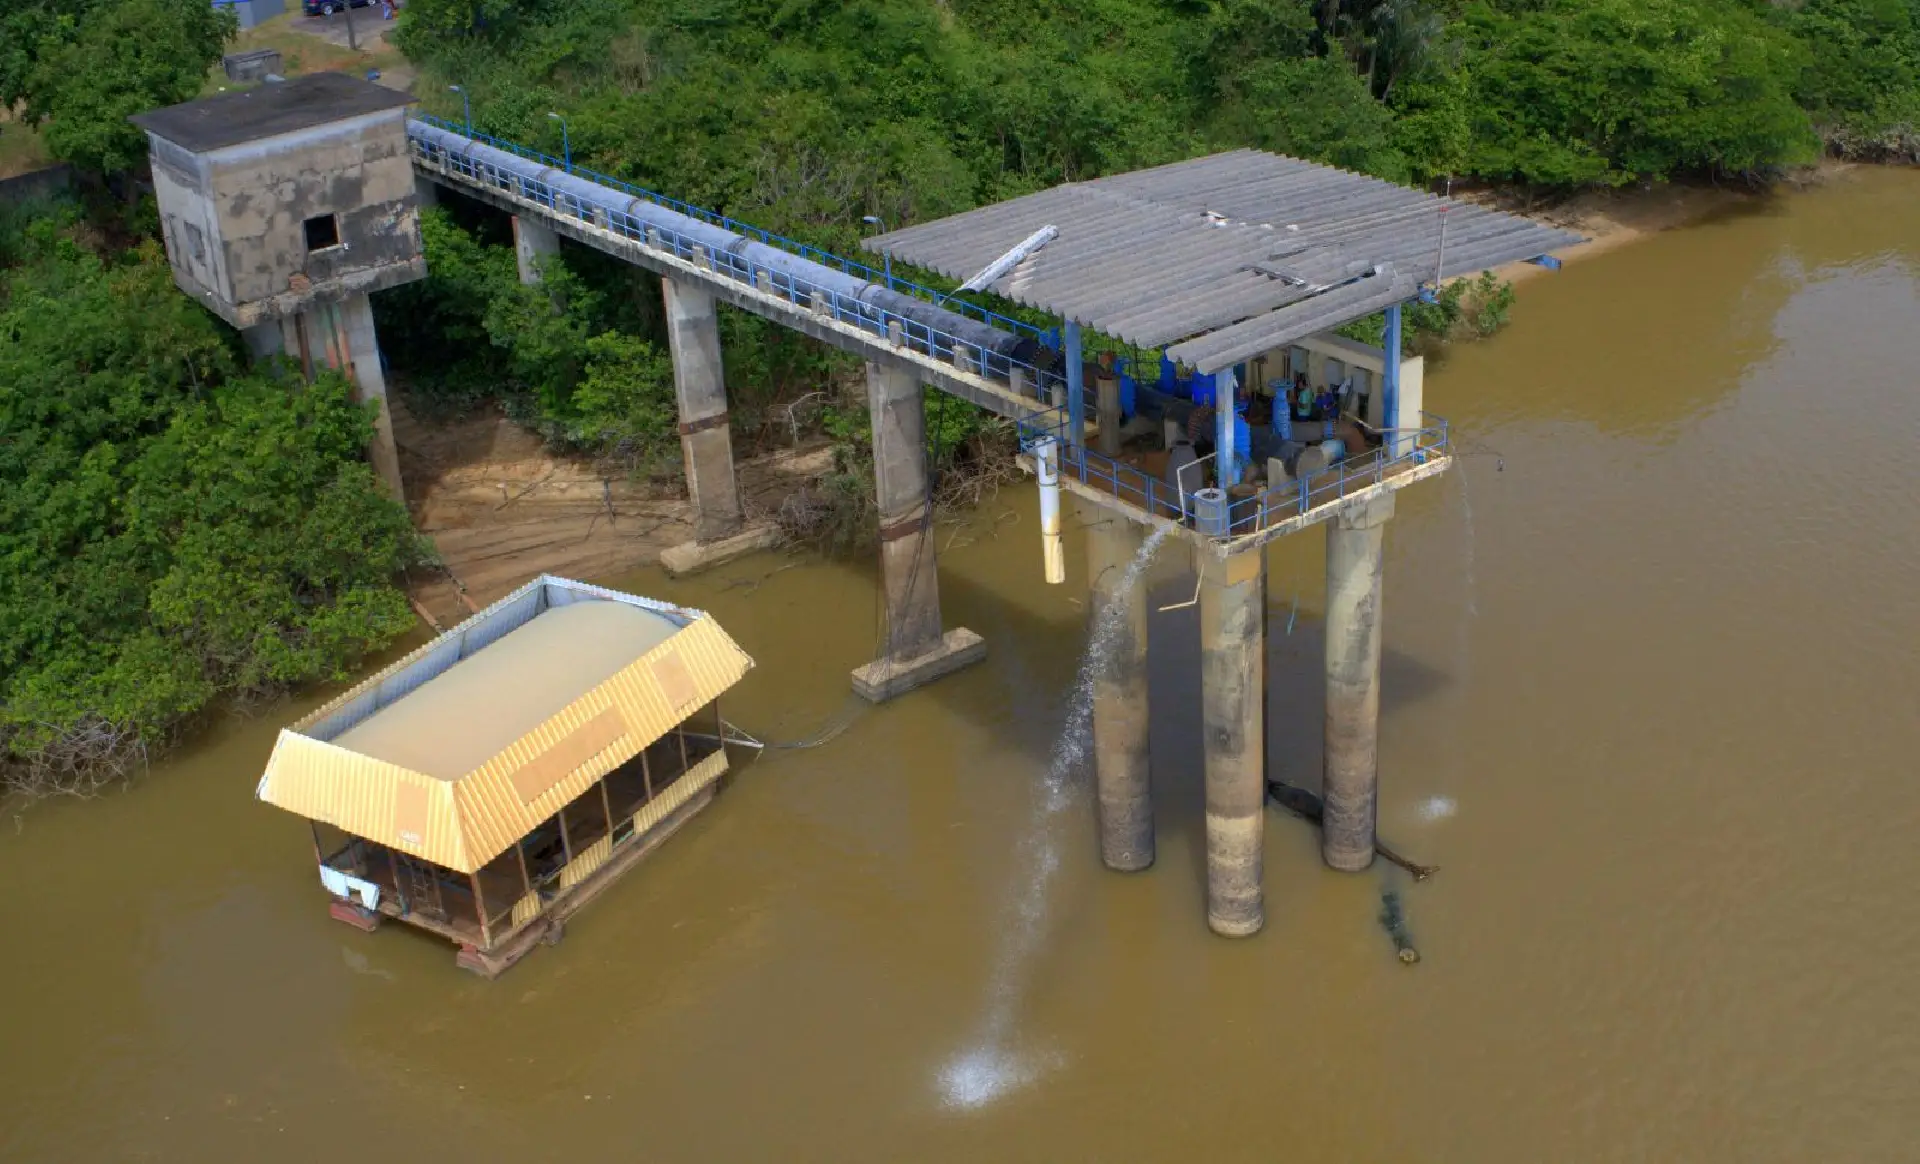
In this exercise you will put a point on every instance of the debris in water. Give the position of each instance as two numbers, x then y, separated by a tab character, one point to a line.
1394	920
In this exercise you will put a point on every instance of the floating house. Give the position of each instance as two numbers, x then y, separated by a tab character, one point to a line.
489	784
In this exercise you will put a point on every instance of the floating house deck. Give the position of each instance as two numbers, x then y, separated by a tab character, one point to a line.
490	783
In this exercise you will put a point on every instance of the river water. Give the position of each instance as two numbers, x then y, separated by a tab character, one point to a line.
1649	700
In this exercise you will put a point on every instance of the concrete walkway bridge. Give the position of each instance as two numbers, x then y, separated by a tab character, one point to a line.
1209	292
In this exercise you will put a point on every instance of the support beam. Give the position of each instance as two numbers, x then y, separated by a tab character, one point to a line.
370	383
1233	593
699	387
1352	773
1106	388
534	242
912	649
264	340
1120	710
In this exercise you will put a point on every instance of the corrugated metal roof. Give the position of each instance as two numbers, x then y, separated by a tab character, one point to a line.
1265	247
463	823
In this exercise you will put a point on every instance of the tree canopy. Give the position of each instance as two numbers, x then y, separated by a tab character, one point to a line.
173	528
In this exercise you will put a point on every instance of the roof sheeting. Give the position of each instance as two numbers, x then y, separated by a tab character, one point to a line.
463	823
1279	247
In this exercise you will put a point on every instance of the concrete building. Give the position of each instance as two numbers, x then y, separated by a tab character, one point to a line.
283	208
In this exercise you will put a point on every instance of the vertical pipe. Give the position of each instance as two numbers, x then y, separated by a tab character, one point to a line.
1046	458
1352	774
1390	383
1076	389
1120	709
1232	667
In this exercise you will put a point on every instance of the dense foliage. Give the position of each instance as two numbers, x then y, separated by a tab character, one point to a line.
82	67
173	528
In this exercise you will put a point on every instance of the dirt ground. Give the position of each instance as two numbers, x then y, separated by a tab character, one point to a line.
502	508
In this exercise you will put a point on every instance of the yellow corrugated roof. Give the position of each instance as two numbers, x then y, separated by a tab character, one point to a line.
462	823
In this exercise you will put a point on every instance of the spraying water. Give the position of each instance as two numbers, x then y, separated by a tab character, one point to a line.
991	1067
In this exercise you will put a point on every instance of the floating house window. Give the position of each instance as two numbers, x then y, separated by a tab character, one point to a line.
323	232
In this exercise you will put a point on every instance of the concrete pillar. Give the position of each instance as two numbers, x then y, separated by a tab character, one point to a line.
1352	773
699	386
1120	714
909	574
425	192
1233	600
533	242
264	340
370	383
912	649
1107	410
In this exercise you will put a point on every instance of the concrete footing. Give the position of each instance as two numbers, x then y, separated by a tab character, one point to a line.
1352	773
340	336
883	679
699	387
1233	599
693	557
1122	769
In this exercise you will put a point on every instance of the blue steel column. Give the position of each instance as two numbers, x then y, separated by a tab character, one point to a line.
1076	390
1390	383
1228	460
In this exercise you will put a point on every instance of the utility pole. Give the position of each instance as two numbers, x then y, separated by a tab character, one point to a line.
352	42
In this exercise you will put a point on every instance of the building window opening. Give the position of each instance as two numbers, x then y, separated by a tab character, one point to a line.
323	232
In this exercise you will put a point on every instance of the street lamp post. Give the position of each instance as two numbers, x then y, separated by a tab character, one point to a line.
566	142
466	106
875	220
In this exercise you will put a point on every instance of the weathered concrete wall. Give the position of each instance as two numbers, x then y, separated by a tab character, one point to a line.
189	221
251	203
534	243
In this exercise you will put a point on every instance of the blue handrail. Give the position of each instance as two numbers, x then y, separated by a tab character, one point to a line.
826	258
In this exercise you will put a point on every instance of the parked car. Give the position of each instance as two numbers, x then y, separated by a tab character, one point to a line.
329	7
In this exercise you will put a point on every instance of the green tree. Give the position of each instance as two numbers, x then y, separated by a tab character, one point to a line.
93	68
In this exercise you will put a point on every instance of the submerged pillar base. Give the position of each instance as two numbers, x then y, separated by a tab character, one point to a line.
1121	758
883	679
693	557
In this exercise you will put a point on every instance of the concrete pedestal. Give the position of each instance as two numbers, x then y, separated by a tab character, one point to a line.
699	386
1233	594
913	650
693	557
1352	773
340	336
1120	707
534	242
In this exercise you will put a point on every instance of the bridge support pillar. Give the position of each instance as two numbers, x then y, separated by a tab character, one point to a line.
1233	640
1352	774
1120	714
534	242
706	442
340	336
913	651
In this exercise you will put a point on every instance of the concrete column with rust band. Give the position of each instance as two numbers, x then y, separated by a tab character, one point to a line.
1355	541
1120	710
1233	636
699	387
909	575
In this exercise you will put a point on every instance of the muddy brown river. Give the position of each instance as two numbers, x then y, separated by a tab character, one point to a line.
1650	701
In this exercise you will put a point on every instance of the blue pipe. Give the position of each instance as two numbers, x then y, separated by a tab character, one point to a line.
1076	393
1390	380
